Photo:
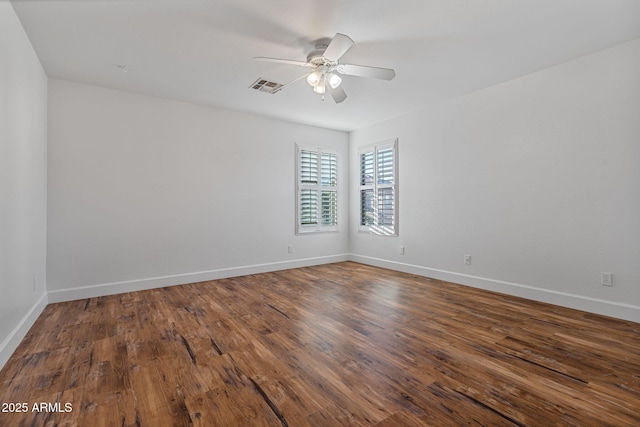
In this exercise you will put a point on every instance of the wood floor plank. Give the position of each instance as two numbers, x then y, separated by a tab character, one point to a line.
332	345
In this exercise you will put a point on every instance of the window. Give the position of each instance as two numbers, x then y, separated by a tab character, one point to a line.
317	189
379	189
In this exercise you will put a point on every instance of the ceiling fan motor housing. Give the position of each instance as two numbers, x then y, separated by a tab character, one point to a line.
316	56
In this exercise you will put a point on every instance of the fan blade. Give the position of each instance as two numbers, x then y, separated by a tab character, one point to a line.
291	82
364	71
338	46
283	61
338	94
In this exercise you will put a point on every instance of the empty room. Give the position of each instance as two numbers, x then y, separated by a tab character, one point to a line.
319	213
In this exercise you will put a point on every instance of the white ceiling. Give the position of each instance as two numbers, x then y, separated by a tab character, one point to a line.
201	51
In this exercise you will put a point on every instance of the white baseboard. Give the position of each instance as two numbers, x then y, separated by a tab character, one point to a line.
104	289
578	302
11	342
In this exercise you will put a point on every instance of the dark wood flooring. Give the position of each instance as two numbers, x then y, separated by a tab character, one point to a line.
332	345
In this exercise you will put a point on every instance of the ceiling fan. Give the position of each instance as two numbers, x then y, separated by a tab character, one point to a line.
324	66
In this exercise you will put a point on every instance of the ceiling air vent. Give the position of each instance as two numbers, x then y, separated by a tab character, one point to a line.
265	86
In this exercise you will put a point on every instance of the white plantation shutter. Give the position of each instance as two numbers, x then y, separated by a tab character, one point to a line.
308	207
329	209
385	163
308	167
378	189
367	176
308	196
328	184
386	207
329	169
386	186
367	167
317	190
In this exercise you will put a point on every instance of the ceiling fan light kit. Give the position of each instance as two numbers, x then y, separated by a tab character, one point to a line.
319	81
323	62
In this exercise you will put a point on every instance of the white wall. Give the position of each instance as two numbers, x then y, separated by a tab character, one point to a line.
142	188
537	178
23	174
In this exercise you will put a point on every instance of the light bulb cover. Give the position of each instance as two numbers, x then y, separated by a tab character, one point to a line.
314	78
321	86
334	80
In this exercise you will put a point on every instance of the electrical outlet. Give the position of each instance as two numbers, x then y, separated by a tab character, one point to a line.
467	259
290	249
401	250
605	279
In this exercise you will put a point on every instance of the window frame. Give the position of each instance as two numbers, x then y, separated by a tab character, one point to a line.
319	187
375	186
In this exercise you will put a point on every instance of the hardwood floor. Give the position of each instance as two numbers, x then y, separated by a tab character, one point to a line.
332	345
